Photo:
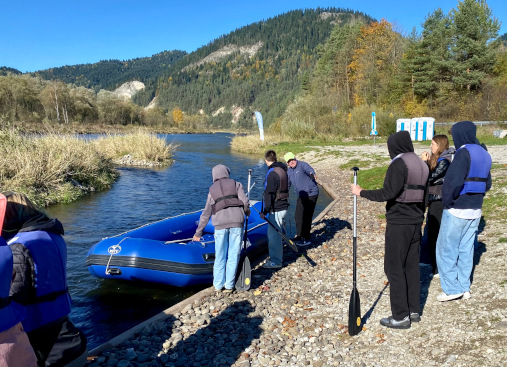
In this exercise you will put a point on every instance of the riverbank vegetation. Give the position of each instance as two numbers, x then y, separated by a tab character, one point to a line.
53	168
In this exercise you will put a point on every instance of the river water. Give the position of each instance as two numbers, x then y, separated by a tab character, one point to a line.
104	308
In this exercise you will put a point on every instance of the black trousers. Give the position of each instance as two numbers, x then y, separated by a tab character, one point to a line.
57	344
401	265
304	215
433	222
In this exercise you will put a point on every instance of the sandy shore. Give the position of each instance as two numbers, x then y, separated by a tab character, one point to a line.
297	315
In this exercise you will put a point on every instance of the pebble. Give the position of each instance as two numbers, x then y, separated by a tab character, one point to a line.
298	315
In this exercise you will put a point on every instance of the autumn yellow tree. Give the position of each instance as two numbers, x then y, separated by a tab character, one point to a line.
177	115
374	62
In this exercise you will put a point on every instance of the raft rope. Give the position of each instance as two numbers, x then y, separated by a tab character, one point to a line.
110	257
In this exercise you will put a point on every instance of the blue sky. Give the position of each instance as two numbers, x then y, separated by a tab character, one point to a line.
36	35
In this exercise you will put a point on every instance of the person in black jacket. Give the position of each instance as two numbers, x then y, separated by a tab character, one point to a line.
275	203
438	162
404	191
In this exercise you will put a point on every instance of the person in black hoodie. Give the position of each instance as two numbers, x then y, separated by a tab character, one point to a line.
40	284
275	203
438	162
466	182
404	191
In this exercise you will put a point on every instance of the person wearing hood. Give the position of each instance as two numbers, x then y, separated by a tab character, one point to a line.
404	190
466	182
275	203
438	162
227	205
40	283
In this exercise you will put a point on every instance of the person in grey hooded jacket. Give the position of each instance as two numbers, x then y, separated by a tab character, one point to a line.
227	205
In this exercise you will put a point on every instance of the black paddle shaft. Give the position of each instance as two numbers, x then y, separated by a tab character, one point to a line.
244	271
354	239
355	304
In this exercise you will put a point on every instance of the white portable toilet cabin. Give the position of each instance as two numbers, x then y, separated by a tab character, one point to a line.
403	124
422	128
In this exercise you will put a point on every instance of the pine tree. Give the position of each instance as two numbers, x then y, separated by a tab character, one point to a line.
473	54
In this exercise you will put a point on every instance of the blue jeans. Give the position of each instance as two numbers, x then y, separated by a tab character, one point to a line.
227	251
455	252
275	245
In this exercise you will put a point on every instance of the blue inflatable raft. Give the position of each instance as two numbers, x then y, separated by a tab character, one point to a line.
163	252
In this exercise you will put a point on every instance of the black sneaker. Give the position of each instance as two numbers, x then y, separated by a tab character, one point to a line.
415	317
392	323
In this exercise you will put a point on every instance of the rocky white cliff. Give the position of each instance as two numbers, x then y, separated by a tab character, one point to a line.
127	90
225	51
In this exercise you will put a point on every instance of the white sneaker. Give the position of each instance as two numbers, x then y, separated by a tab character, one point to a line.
442	297
467	295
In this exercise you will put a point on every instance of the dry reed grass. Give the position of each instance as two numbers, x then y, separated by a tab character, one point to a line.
141	145
252	144
51	168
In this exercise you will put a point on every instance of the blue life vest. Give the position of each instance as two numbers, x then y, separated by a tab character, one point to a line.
52	300
480	165
10	312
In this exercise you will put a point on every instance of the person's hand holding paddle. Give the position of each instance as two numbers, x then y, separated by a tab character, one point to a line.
196	239
356	189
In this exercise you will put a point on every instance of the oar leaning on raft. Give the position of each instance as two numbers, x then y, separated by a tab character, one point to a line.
289	242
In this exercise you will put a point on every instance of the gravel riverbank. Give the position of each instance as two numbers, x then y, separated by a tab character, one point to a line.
297	315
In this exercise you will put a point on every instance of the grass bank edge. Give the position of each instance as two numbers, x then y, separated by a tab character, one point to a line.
56	168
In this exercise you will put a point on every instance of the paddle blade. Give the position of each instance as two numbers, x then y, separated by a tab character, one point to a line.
354	313
244	277
291	244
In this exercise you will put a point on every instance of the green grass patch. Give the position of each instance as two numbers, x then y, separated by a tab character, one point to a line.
495	201
371	179
502	239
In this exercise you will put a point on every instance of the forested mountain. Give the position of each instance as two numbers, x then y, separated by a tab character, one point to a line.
260	66
110	74
4	71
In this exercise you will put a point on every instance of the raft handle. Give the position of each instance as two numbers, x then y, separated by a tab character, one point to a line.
114	271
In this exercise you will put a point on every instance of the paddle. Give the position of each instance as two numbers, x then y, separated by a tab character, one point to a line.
291	243
244	272
354	305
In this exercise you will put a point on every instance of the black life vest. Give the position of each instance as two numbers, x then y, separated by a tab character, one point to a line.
282	193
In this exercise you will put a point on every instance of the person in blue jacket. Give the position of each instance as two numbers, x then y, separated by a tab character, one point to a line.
466	182
40	283
15	348
303	179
